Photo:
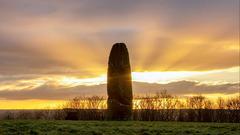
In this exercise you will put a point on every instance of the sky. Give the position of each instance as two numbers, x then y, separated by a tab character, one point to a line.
51	51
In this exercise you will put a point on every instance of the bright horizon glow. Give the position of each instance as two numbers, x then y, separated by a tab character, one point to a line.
59	104
161	77
31	104
148	77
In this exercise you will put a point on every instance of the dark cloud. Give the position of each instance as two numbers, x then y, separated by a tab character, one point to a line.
175	14
51	92
16	57
175	88
12	78
187	87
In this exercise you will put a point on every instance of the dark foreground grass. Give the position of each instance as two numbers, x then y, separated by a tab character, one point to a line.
35	127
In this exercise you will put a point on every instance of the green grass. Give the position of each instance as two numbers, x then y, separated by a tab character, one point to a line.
35	127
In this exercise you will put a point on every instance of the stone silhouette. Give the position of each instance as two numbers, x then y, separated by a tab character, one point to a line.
119	84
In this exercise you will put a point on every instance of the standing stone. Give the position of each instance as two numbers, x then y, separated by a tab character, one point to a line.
119	84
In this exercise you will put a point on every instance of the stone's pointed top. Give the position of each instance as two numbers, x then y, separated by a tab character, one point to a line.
119	44
119	55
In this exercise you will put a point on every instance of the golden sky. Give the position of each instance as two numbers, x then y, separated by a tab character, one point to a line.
55	50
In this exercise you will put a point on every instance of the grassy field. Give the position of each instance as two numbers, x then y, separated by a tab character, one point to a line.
115	128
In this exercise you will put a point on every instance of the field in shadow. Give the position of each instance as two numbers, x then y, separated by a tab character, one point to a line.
116	127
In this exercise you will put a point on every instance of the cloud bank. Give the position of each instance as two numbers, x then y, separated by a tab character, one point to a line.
180	88
75	37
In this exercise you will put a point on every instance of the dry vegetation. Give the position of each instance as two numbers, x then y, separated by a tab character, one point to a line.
158	107
161	100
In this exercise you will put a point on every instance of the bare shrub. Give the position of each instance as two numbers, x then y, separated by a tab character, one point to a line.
233	103
95	102
196	102
220	103
146	102
208	104
76	103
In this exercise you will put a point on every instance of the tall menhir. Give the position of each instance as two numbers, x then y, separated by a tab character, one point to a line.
119	84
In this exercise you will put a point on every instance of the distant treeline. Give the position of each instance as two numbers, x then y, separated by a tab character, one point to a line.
161	100
158	107
188	115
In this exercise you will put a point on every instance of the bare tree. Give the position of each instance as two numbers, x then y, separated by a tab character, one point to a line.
94	102
233	103
220	103
146	102
76	103
196	102
208	104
